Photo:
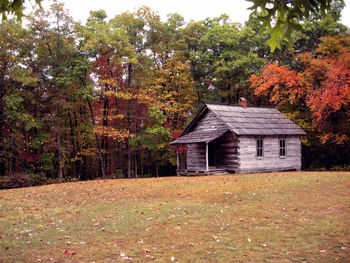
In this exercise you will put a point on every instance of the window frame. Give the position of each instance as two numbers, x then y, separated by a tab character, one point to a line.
282	148
259	148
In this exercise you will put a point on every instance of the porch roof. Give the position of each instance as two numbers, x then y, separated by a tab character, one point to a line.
199	136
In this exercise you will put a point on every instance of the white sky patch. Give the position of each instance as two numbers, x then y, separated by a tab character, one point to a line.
189	9
195	10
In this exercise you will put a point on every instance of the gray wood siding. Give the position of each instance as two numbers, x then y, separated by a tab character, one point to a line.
226	152
195	156
271	161
209	123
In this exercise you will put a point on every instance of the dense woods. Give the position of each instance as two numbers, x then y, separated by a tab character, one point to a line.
104	99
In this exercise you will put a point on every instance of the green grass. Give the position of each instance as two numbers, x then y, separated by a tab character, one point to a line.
275	217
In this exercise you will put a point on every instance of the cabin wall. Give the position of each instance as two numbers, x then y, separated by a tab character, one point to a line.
271	161
209	122
195	156
226	152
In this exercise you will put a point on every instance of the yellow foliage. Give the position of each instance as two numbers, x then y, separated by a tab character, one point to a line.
116	117
109	82
119	135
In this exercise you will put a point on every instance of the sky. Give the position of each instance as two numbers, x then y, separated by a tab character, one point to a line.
189	9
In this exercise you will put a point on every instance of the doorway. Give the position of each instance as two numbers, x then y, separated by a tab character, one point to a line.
211	153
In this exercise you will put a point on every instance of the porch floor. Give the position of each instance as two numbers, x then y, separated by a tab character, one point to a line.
196	172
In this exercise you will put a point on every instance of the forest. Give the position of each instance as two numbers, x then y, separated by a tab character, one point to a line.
104	99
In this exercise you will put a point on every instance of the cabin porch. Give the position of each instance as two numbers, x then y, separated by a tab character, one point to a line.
219	155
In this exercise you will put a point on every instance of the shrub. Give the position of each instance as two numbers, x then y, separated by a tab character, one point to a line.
15	180
344	167
37	179
4	182
118	174
18	180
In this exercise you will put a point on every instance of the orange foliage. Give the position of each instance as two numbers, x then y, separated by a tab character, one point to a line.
278	83
324	84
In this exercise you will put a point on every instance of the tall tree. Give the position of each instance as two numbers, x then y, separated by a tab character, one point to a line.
318	91
55	49
282	17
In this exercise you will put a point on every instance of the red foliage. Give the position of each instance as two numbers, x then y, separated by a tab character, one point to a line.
30	156
324	84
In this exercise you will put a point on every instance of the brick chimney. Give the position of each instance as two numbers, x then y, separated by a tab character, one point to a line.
243	102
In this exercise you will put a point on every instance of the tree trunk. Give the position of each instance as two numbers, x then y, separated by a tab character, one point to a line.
71	128
2	128
101	170
58	140
135	151
105	124
135	164
129	159
141	159
130	69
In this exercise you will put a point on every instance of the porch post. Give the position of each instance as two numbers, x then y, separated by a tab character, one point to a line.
206	157
177	158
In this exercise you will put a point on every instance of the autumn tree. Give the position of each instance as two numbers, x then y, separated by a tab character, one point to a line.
319	91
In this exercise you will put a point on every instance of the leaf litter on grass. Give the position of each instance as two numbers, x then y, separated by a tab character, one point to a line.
275	217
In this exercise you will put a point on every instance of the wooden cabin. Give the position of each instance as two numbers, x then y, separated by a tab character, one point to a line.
239	139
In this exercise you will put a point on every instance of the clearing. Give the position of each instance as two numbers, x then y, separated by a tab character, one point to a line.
273	217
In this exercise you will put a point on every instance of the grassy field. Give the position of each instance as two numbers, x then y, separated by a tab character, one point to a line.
274	217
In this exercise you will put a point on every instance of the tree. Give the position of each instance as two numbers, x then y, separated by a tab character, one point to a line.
156	138
224	60
59	67
20	125
9	7
317	96
281	17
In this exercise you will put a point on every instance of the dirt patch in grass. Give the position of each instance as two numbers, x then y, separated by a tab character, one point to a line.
275	217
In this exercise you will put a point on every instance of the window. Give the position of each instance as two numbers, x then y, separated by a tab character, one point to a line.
259	148
282	147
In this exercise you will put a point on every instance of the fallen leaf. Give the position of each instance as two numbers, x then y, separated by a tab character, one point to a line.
73	253
65	252
6	248
150	257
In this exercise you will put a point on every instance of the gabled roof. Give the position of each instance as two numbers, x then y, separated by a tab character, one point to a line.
255	120
241	121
